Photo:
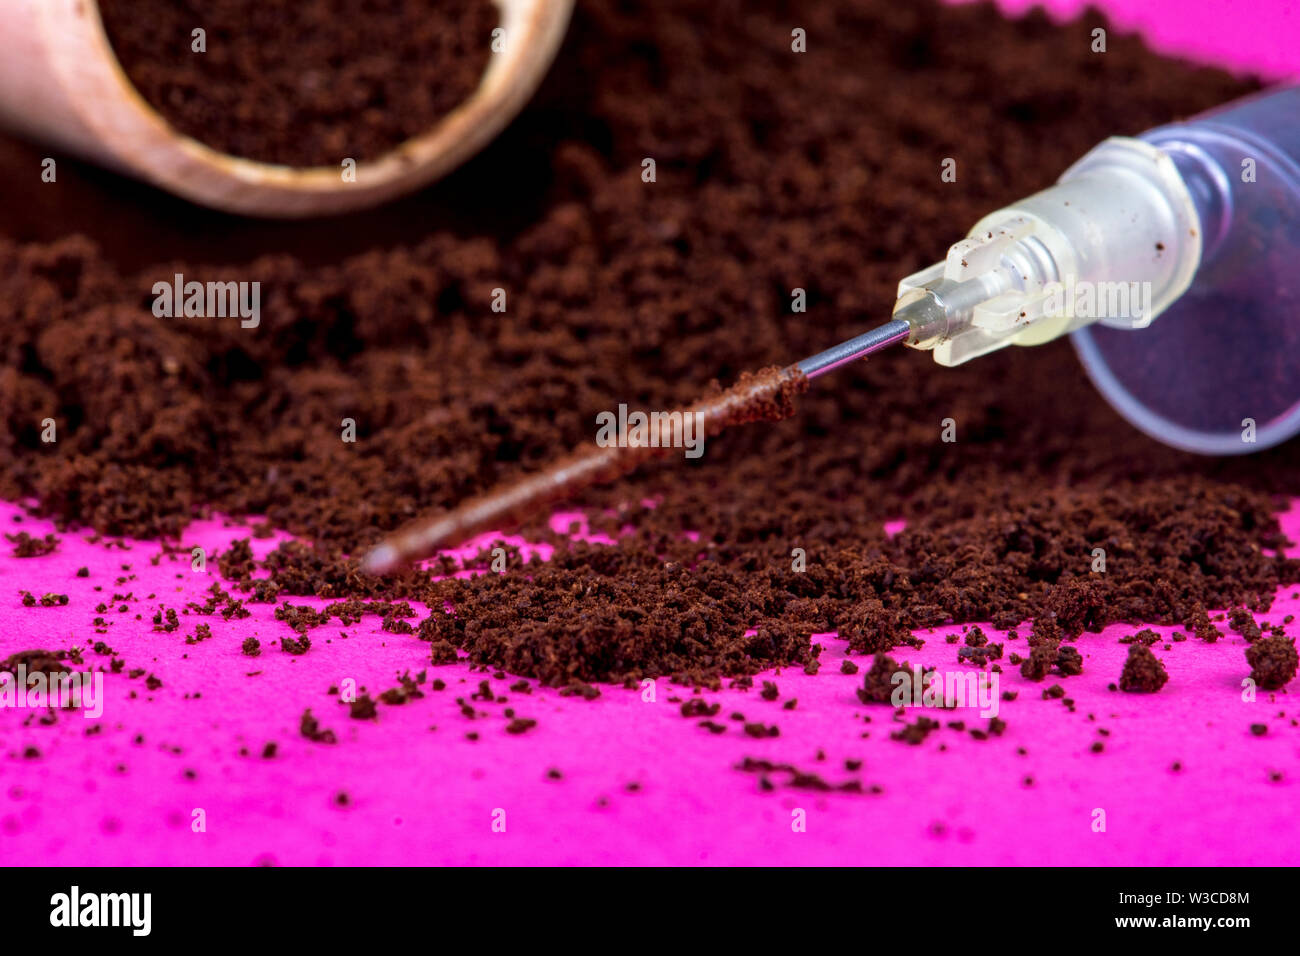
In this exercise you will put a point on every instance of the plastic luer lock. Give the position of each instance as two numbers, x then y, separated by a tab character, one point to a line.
1174	261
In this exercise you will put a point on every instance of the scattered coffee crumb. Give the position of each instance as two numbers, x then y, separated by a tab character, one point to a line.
1202	626
878	686
296	647
1042	658
916	733
698	707
363	708
26	546
1243	623
1143	671
1273	662
520	725
310	728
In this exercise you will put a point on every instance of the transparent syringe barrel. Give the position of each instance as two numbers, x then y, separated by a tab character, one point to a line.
1222	365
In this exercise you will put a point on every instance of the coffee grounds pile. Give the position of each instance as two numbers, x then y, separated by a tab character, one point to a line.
337	79
775	171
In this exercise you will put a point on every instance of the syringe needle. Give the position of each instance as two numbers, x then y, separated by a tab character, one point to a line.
860	346
765	396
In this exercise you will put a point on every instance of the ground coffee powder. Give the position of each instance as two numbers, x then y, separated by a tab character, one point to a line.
307	83
775	171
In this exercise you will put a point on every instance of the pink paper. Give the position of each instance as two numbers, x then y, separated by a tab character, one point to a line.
1263	38
417	794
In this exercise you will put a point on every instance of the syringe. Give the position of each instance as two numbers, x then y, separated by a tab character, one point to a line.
1198	222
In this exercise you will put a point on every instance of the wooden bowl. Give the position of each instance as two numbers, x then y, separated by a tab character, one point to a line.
61	83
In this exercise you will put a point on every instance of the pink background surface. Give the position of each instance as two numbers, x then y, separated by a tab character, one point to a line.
425	795
1261	36
421	792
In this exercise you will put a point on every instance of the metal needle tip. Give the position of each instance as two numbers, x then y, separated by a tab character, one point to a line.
892	332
